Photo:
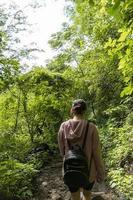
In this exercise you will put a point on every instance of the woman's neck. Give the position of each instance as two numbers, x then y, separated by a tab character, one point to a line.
78	117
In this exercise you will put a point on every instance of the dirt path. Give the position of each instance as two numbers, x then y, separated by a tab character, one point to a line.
51	186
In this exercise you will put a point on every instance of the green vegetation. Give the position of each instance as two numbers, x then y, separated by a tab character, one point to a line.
94	62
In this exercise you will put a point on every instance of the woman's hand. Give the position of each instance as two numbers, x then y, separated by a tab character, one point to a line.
99	179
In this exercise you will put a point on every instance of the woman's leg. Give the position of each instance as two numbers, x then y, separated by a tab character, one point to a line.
75	195
87	194
87	191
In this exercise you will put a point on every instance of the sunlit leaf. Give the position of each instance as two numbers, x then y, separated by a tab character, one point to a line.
123	36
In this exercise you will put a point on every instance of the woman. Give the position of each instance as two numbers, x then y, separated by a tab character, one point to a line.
74	131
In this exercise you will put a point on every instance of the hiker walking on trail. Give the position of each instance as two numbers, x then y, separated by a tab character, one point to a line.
80	148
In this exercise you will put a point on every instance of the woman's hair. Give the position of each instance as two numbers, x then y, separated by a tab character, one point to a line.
78	107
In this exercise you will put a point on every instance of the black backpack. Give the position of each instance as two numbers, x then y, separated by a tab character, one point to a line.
76	170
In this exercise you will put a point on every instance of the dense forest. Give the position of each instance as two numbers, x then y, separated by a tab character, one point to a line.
93	61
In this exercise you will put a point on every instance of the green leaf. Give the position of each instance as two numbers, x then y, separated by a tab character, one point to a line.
115	10
116	6
127	91
123	36
91	2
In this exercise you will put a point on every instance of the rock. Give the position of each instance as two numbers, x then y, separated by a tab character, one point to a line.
44	184
55	195
68	196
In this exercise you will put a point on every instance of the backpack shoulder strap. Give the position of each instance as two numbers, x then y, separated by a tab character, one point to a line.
86	131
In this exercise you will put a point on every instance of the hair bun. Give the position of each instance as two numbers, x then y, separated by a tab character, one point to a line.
79	106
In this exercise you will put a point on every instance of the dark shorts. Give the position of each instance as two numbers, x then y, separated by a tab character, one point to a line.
75	189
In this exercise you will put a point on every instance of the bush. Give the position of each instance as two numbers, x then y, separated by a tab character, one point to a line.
122	182
117	151
16	178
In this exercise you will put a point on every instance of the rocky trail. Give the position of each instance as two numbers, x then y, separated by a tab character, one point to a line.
50	185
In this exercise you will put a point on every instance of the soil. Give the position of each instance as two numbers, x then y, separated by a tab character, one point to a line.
50	185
